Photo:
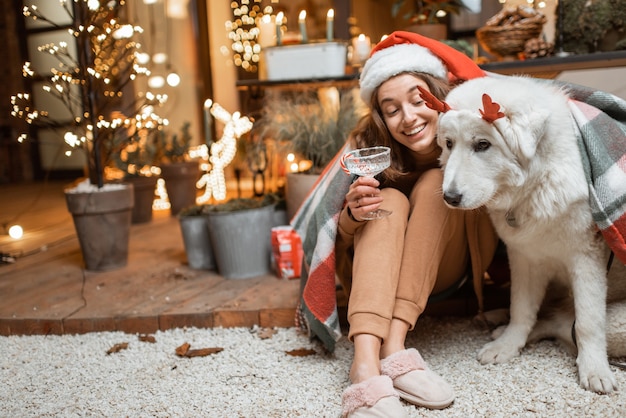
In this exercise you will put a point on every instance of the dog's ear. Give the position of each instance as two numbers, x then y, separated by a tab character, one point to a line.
524	130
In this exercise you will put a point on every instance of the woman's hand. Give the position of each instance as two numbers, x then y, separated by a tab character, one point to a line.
363	196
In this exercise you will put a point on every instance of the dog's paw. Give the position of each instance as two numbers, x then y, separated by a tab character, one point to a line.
497	352
496	333
597	378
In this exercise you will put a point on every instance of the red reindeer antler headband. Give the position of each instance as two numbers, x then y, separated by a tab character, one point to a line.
490	114
492	109
432	102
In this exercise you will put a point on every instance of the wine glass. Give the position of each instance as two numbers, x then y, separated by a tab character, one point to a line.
367	162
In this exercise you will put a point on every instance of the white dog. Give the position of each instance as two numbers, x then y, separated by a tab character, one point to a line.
509	144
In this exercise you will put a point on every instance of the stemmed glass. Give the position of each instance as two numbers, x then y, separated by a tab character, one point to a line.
368	162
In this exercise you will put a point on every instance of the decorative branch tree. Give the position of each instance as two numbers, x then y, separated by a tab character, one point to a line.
95	86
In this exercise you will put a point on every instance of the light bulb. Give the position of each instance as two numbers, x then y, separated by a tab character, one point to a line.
173	79
16	232
156	82
142	57
159	58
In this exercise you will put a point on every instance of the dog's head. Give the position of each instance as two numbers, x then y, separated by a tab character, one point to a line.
486	146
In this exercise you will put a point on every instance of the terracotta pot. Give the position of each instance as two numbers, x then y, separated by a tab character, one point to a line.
180	183
144	198
102	220
437	31
297	188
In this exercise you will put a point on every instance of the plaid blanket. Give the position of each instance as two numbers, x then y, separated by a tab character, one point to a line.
316	223
601	119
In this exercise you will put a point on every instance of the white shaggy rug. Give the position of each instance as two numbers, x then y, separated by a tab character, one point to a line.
72	376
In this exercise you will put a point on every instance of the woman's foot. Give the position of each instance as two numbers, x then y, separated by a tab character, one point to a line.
415	382
372	398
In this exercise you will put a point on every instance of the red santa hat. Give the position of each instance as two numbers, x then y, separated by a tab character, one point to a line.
407	51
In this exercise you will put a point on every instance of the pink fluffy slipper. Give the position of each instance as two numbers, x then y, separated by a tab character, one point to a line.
415	382
372	398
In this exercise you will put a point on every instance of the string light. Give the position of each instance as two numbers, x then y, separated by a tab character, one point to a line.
173	79
222	152
15	231
116	56
244	33
161	202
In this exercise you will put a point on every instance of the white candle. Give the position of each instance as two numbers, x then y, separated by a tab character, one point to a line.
279	28
330	17
266	31
208	122
302	22
361	47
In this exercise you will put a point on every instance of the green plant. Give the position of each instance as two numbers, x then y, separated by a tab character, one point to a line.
138	152
460	45
235	204
314	126
174	148
94	85
426	11
587	23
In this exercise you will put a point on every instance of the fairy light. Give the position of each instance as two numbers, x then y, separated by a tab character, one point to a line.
243	33
161	202
16	231
115	53
222	152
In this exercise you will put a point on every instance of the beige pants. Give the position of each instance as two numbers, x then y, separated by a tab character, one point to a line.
399	261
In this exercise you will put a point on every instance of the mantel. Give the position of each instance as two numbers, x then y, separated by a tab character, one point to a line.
550	67
347	80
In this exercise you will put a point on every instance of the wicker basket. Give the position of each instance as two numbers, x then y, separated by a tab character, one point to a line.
509	40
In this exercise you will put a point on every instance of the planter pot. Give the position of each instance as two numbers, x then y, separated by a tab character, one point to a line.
195	230
144	197
102	220
437	31
297	188
241	242
180	183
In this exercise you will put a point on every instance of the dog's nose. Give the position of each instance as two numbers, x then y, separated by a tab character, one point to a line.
453	199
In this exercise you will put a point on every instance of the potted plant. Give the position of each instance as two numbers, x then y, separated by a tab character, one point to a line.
427	17
179	171
94	85
219	235
194	226
313	126
136	163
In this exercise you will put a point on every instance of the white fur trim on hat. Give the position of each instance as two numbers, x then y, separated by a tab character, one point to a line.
394	60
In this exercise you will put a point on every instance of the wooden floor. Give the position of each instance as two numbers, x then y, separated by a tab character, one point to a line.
47	291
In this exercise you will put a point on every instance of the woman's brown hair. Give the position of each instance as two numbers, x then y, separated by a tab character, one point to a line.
372	130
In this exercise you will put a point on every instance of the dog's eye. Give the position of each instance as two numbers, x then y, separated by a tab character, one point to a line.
482	145
448	144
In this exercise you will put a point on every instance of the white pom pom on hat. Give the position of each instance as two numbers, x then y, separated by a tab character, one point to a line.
407	51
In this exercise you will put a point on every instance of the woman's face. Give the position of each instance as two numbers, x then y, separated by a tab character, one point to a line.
406	115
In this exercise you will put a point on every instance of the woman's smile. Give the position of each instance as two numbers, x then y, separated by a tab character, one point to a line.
409	120
415	130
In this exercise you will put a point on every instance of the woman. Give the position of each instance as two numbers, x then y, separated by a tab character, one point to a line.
390	267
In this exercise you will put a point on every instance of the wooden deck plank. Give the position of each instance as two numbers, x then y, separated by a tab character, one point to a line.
249	306
49	292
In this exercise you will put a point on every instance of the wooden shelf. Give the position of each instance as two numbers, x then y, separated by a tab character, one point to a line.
348	80
542	66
